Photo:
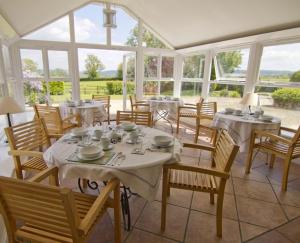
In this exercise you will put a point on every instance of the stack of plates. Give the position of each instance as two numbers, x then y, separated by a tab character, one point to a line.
79	132
163	141
90	153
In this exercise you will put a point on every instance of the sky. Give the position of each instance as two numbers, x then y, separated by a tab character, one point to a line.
88	29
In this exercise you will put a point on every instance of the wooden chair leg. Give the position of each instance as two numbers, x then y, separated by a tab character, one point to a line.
177	128
212	198
272	160
197	134
164	199
219	213
117	214
249	159
284	182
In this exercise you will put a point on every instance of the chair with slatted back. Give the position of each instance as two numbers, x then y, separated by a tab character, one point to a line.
211	180
138	105
97	116
35	212
278	146
28	140
205	116
54	122
187	110
138	117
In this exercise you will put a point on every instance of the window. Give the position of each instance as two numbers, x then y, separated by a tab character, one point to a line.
280	64
150	40
193	67
56	31
127	29
88	24
58	64
32	63
232	65
158	75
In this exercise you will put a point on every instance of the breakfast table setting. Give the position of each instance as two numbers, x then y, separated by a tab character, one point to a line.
240	124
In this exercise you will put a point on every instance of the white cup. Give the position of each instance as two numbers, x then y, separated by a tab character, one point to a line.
105	142
98	134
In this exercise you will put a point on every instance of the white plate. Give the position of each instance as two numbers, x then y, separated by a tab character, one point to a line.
130	129
130	142
96	139
161	146
94	158
81	144
108	148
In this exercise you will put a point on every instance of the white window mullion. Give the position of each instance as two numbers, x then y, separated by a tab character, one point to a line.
46	72
178	72
206	75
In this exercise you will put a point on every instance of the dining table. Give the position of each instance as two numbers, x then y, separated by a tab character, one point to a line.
241	126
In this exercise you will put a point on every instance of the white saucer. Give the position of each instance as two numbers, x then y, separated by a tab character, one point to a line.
163	146
108	148
84	145
93	158
130	142
130	130
96	139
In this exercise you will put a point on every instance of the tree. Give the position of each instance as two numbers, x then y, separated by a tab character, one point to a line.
229	60
295	77
130	69
120	71
29	65
148	38
93	65
58	72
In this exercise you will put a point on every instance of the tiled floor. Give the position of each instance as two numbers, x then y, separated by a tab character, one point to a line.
255	209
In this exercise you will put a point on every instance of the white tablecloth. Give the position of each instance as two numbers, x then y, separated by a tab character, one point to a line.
170	106
140	172
86	111
240	128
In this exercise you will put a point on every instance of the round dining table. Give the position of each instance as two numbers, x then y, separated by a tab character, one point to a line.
140	172
240	127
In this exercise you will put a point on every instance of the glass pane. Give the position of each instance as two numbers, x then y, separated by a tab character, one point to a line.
226	95
88	24
127	29
280	63
167	88
193	66
58	64
151	88
283	103
32	63
191	91
150	40
233	64
151	65
60	91
167	67
35	92
56	31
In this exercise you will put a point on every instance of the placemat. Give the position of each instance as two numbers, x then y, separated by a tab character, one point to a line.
101	161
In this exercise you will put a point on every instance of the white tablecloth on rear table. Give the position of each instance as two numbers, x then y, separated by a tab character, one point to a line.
139	172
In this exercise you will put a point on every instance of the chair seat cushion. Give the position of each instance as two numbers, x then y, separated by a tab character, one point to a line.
193	180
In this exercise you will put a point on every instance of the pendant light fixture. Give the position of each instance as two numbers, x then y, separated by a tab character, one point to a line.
109	17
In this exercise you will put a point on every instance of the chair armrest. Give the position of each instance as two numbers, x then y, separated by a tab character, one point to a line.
91	216
203	170
55	135
52	171
259	134
288	129
187	107
26	153
70	117
199	146
141	104
190	104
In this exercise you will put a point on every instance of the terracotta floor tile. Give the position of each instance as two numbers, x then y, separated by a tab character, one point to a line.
249	231
176	220
290	197
291	212
201	203
137	236
238	170
202	228
291	230
254	189
260	213
270	237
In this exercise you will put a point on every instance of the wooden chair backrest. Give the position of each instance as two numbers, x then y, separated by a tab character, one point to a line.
225	151
137	117
296	139
132	101
206	109
45	207
105	99
28	136
52	118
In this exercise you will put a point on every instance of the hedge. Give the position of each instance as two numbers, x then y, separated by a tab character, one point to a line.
287	98
116	88
226	93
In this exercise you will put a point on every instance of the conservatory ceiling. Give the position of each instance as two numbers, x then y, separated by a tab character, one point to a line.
182	23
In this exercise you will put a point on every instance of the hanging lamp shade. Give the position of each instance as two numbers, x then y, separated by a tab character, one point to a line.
109	18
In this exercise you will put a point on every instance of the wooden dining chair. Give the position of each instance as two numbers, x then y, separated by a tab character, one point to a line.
278	146
54	122
97	116
138	117
205	116
195	178
187	110
29	140
35	212
138	105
